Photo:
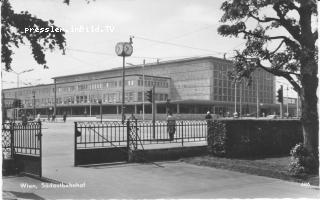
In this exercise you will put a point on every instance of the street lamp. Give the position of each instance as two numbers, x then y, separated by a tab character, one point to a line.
124	49
18	74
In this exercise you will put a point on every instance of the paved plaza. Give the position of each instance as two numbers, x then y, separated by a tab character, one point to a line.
172	179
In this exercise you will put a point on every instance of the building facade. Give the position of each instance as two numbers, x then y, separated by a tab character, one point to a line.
193	85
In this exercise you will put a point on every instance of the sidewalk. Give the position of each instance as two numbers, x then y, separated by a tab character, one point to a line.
171	180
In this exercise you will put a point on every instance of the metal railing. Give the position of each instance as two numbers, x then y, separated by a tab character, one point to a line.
20	138
96	134
184	132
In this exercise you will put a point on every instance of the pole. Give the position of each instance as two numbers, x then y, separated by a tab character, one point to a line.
144	62
101	111
153	111
297	105
90	103
257	98
34	104
123	94
287	102
235	96
55	98
240	99
281	103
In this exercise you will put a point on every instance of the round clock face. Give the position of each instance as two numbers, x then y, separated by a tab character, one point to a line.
119	49
128	49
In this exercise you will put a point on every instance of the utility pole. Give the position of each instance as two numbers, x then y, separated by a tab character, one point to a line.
281	103
144	63
55	98
257	97
287	102
235	97
100	102
34	103
153	111
297	105
240	112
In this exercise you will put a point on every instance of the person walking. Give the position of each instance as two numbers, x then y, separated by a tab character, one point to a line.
171	125
208	116
24	119
38	118
64	117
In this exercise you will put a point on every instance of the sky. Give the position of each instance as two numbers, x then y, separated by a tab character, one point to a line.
154	24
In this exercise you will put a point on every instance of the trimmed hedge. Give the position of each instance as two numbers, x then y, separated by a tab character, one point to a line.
253	138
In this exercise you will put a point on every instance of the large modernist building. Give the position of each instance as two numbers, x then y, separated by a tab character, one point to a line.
193	85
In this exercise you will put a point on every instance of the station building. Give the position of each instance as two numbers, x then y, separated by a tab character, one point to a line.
190	86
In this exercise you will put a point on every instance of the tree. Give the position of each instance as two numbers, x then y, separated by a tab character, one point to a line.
291	55
13	34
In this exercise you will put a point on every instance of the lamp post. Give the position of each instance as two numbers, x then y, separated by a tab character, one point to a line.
34	103
257	97
144	63
18	75
123	49
100	103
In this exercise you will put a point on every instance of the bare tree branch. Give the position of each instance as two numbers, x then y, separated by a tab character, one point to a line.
267	19
277	47
284	74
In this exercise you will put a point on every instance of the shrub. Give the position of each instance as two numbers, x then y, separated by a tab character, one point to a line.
252	138
216	138
302	162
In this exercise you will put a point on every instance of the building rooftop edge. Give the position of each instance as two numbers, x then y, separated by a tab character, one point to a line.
149	64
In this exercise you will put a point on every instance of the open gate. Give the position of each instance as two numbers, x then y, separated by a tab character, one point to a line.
22	148
100	142
113	141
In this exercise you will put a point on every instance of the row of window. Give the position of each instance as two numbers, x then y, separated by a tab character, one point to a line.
86	99
149	83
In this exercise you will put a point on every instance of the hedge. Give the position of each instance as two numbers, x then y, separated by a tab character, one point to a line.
253	138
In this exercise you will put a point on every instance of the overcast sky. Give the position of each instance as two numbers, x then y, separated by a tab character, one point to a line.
191	23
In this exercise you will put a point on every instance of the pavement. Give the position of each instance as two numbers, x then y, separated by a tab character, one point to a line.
167	180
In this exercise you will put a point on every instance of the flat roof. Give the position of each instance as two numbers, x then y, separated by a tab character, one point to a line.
149	65
26	87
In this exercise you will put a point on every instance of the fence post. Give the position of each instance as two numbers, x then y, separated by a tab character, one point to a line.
12	139
75	143
136	129
182	132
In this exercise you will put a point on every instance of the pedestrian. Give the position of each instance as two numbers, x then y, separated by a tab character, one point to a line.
53	117
24	119
171	125
64	117
38	118
132	117
208	116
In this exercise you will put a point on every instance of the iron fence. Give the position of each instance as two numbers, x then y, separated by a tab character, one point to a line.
20	138
27	138
94	134
7	140
97	134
